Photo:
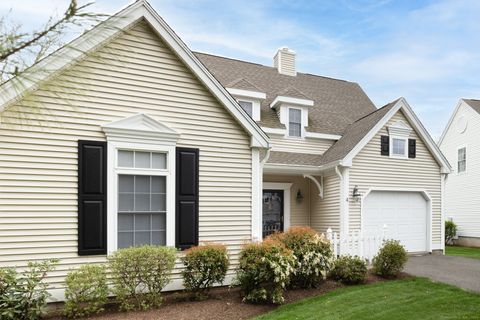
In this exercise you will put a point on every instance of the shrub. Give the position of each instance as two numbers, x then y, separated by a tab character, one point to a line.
313	255
139	275
24	296
86	291
349	270
264	271
450	231
204	266
390	260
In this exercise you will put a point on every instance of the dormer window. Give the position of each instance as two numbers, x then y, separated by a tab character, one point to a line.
294	122
247	106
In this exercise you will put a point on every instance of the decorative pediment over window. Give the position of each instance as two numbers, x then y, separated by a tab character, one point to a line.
399	128
140	127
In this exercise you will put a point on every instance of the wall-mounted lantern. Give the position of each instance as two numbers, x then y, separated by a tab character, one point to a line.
299	195
356	194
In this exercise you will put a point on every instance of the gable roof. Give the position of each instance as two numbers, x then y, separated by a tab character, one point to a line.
15	88
243	84
475	104
364	129
337	103
472	103
354	134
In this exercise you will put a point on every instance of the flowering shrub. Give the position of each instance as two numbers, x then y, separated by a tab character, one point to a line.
204	266
313	255
390	260
264	271
24	296
139	275
86	292
349	270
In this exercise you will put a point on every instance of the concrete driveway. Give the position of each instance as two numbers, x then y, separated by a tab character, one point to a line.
457	271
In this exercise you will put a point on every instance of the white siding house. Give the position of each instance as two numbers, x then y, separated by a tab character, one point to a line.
461	145
135	139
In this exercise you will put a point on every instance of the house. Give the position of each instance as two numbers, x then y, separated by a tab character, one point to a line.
126	137
460	144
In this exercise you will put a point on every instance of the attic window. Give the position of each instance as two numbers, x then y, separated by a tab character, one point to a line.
247	106
399	147
294	122
462	160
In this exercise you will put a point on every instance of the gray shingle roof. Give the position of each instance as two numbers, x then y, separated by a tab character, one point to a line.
337	103
302	159
355	133
475	104
243	84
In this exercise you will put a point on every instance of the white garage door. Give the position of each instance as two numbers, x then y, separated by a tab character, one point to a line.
404	213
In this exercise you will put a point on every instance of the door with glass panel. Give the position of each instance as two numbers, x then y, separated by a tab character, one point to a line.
141	198
272	211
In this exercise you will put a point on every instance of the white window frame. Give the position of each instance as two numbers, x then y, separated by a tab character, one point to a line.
114	171
398	156
458	160
248	101
302	128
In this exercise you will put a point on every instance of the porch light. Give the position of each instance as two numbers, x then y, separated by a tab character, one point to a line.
299	195
355	194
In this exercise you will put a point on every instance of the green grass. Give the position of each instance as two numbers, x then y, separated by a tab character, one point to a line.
463	252
416	298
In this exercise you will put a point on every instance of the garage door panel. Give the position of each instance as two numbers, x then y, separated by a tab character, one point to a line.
404	213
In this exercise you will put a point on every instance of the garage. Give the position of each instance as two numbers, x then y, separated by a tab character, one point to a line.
404	213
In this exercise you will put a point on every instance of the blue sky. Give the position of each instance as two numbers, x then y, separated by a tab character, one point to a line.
425	51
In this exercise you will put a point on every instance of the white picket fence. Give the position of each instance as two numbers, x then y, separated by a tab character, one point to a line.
356	244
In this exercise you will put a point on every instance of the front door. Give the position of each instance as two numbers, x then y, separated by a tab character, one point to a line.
272	211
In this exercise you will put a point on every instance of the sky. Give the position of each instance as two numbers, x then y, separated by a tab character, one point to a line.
426	51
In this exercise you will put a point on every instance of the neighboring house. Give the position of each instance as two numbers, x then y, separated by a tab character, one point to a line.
460	143
139	140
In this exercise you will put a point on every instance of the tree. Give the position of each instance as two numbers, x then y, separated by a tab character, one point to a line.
19	50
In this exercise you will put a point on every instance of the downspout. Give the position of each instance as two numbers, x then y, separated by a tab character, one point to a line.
265	159
342	205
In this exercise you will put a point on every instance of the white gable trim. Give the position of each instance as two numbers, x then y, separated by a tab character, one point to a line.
247	93
140	126
291	100
104	31
450	121
419	128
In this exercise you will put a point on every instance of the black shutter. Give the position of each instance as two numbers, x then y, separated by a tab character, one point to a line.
385	145
186	197
92	197
412	148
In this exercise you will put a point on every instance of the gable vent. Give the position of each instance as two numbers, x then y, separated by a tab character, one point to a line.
284	61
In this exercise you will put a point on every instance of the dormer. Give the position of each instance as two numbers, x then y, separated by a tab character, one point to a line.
248	96
292	110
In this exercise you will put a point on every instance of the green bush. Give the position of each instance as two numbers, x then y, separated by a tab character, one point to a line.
204	266
390	260
264	271
313	255
86	292
139	275
23	296
450	231
349	270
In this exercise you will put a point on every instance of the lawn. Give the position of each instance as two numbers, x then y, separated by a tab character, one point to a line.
415	298
463	252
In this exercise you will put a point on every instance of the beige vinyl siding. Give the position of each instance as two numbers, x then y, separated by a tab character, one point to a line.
370	169
135	73
299	209
461	201
325	213
306	145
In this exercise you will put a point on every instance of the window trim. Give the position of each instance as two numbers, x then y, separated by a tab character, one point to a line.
112	186
247	101
302	130
399	156
458	149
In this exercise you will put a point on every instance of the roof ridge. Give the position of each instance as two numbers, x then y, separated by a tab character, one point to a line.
270	67
371	113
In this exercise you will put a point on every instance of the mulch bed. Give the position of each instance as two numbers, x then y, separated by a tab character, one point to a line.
224	303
